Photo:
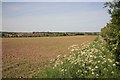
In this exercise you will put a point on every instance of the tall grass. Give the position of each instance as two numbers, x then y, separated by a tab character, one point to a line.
93	60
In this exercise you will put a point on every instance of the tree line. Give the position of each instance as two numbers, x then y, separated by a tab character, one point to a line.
44	34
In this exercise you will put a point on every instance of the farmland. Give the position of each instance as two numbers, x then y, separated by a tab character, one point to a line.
25	57
29	50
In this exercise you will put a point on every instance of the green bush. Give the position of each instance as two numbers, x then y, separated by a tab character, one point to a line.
111	32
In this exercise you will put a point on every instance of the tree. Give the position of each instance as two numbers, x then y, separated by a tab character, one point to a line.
111	32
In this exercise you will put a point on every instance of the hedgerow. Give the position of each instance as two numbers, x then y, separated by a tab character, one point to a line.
94	60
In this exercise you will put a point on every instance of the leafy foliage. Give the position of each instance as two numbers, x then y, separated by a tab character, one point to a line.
111	32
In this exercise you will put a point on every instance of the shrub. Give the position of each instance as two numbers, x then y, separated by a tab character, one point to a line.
111	33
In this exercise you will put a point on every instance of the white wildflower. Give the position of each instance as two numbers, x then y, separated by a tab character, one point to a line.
64	55
72	50
78	71
114	65
112	72
58	56
95	57
98	61
91	56
89	68
117	62
62	70
65	70
97	74
90	61
96	66
92	72
85	71
83	64
104	68
109	60
61	62
109	65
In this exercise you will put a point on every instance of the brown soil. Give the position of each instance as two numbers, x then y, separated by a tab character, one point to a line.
24	56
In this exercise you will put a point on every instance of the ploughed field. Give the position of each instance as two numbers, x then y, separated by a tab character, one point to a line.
24	57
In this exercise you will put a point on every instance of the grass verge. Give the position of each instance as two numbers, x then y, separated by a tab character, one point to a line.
93	60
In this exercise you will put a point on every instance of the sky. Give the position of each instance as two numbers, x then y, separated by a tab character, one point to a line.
54	16
56	0
0	16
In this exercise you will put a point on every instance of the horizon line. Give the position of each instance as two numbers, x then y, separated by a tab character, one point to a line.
48	31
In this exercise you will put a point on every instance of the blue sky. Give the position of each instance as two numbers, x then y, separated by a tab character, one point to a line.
54	16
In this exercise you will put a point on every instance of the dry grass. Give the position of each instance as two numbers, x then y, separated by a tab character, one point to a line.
25	56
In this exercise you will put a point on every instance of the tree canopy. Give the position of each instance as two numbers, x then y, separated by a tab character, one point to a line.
111	32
